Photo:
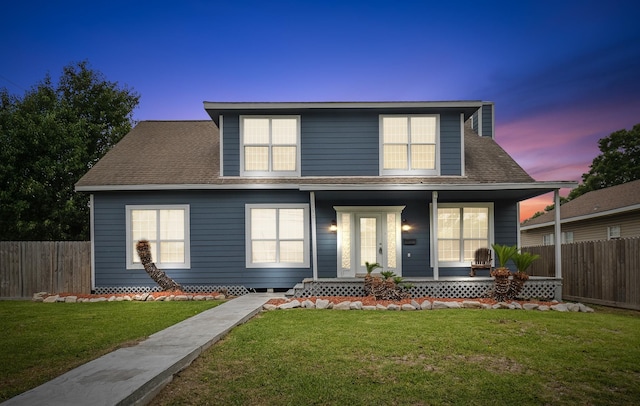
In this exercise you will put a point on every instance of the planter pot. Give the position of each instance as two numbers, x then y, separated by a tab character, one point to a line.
501	284
517	283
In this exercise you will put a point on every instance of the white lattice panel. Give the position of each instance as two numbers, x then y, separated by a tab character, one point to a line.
445	289
233	290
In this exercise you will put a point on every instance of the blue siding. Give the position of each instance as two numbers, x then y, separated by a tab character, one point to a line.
217	239
345	143
487	120
218	235
474	122
450	145
340	143
231	145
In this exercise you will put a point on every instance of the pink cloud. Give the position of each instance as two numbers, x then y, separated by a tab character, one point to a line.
561	144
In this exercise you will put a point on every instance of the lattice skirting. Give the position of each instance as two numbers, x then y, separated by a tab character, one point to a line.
233	290
540	289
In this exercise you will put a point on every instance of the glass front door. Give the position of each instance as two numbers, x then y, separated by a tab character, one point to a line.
368	234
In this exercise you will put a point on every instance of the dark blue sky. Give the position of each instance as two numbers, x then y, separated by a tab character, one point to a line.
562	73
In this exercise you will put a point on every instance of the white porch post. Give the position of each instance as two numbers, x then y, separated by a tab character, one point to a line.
558	234
314	235
434	235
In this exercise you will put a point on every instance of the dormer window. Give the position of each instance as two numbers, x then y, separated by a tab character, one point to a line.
409	144
270	146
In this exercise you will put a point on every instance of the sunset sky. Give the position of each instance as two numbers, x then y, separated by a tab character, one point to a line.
562	74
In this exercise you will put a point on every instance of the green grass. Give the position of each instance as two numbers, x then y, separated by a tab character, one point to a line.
41	341
470	357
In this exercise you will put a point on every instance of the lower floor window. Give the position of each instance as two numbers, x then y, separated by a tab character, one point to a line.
462	229
277	235
166	227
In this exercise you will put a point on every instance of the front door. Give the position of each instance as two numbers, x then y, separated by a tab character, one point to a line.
370	241
368	234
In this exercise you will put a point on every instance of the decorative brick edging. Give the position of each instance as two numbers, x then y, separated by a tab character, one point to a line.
142	297
427	305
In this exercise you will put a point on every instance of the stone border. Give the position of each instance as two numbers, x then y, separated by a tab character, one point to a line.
426	305
45	297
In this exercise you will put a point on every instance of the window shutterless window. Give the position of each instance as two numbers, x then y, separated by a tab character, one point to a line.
277	236
613	232
409	144
462	229
167	229
270	146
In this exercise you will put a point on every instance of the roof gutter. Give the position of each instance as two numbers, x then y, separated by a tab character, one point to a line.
339	105
440	186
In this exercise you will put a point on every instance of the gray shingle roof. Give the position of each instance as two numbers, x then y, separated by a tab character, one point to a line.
593	203
188	153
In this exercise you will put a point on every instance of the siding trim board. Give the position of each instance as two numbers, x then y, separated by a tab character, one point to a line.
300	185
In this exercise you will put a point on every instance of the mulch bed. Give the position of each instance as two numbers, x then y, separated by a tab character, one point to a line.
371	301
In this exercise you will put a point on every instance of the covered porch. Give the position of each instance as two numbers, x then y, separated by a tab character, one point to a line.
537	287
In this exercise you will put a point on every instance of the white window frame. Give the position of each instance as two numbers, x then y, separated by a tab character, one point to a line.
130	252
270	172
248	238
415	172
434	238
612	234
549	239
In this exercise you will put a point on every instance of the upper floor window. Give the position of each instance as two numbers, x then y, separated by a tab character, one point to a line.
166	227
409	144
270	146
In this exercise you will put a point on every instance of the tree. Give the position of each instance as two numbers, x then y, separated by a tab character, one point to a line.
618	162
50	137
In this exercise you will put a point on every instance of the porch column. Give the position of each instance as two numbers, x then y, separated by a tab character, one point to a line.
558	234
314	235
434	235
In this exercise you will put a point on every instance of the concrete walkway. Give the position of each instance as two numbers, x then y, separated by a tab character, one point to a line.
134	375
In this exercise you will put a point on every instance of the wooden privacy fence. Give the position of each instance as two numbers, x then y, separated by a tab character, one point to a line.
27	267
600	272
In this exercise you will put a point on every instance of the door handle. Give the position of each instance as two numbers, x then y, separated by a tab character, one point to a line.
380	250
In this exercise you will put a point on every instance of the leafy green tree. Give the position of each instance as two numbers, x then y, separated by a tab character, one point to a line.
50	137
618	162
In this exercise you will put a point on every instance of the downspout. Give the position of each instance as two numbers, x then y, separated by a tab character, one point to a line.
558	244
314	234
434	235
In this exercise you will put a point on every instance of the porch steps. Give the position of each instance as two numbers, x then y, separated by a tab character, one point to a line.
296	289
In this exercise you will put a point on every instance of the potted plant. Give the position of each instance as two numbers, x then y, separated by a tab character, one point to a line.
523	261
501	274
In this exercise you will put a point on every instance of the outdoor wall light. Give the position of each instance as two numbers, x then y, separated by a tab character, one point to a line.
333	227
405	225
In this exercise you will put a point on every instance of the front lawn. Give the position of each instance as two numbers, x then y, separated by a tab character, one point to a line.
40	341
470	357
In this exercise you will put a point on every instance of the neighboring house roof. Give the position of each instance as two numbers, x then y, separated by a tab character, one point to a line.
603	202
186	155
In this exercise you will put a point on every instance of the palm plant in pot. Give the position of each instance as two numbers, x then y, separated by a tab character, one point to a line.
501	274
368	278
523	261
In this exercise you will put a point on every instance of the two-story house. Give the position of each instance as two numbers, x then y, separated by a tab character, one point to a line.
268	194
